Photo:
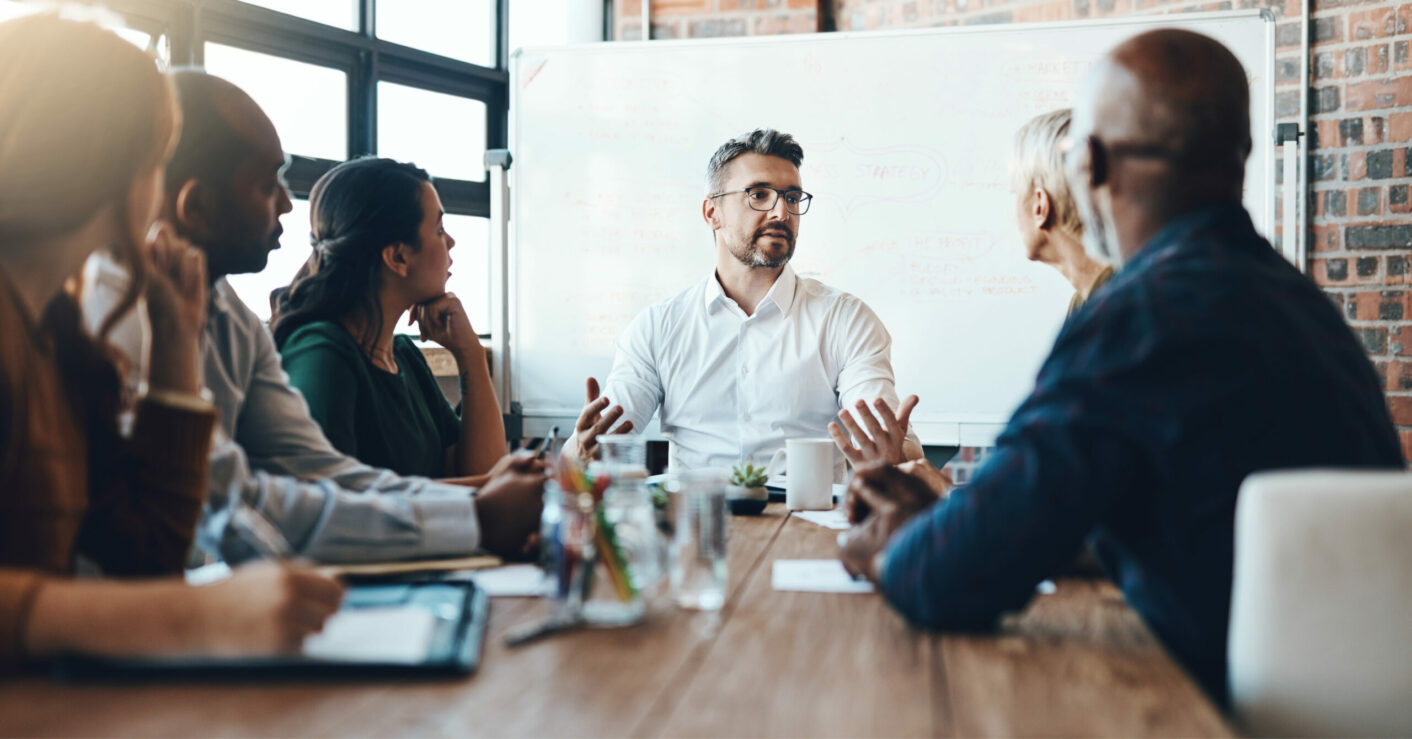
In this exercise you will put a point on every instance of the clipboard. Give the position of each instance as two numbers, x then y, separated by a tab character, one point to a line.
455	612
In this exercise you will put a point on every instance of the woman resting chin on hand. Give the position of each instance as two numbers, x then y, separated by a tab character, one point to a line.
381	251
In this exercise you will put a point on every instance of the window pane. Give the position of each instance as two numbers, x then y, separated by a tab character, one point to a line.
140	39
443	134
470	269
537	23
254	289
555	22
11	9
340	13
460	29
308	103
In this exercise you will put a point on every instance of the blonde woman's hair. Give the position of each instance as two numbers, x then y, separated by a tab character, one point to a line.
1038	163
83	115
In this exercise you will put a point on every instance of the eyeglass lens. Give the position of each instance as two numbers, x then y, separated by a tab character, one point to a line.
763	198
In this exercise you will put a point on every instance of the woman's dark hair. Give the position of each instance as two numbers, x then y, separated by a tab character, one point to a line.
356	210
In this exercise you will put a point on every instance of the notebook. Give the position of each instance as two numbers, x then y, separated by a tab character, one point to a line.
414	627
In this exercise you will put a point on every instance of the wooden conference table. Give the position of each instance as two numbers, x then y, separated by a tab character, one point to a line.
1078	662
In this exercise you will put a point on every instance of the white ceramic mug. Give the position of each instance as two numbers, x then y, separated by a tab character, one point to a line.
808	474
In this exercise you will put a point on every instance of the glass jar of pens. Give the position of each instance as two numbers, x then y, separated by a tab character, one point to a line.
600	546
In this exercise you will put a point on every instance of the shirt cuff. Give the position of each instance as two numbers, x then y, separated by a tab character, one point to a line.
449	524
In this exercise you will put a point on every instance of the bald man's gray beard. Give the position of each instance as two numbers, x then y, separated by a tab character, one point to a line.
1099	232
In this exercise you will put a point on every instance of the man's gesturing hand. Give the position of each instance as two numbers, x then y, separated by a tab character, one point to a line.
594	422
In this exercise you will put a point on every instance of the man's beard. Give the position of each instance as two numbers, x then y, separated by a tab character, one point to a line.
1099	232
752	256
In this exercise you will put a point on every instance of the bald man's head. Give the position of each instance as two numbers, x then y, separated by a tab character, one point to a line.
224	187
1162	124
1184	94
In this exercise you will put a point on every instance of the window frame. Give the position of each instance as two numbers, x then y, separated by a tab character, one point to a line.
361	55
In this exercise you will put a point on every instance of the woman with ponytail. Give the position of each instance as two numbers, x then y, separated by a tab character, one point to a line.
380	251
86	125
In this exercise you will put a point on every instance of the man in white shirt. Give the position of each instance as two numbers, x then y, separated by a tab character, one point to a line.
753	354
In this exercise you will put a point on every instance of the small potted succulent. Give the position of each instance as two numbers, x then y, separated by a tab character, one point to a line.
746	494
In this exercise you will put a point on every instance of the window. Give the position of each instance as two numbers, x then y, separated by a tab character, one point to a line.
336	13
443	134
470	269
555	22
308	103
11	9
293	251
460	29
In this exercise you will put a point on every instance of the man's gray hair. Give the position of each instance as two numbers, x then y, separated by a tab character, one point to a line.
766	141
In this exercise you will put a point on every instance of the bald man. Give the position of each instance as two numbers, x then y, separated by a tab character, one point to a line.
226	194
1207	358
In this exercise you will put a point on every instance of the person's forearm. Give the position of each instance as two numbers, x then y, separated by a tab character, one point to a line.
482	425
109	618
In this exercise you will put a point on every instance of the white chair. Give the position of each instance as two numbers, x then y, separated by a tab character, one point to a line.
1321	612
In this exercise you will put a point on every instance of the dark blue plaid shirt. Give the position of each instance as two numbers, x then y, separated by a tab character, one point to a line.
1207	358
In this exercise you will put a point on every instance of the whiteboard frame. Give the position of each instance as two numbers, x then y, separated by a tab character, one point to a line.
963	431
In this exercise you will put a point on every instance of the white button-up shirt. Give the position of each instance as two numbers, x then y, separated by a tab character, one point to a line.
731	386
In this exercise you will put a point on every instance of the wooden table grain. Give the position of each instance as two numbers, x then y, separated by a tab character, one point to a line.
1078	662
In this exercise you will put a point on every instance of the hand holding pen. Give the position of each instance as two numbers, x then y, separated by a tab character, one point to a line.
266	607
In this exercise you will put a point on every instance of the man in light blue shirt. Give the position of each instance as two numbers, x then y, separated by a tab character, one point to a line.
225	193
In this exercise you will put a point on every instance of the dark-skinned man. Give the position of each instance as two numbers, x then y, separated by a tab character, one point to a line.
1207	358
225	193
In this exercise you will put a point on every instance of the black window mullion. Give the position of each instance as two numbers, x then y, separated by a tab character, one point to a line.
363	106
303	172
463	197
500	21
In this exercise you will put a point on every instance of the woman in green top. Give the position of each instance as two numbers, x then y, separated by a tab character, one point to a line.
380	251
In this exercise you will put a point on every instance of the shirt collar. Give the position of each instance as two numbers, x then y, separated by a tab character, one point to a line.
1222	216
220	297
781	293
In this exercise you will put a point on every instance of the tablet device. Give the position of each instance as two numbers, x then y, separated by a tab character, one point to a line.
408	627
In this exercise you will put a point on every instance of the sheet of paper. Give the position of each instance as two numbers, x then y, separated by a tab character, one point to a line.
399	635
815	576
514	581
207	574
834	519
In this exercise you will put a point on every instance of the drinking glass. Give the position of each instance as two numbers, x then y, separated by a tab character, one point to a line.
698	570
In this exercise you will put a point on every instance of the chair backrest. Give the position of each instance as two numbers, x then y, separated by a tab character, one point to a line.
1321	612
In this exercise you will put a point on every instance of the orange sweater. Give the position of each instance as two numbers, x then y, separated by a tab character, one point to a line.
129	504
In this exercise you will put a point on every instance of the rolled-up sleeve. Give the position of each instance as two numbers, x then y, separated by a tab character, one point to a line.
634	382
862	349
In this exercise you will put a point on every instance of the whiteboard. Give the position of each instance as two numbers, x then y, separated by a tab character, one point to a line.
907	137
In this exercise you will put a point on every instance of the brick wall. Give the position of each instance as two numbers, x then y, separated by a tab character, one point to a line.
1360	104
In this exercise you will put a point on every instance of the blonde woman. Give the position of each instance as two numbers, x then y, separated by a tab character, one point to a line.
86	125
1044	210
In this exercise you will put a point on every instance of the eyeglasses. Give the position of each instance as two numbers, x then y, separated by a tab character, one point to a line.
764	198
